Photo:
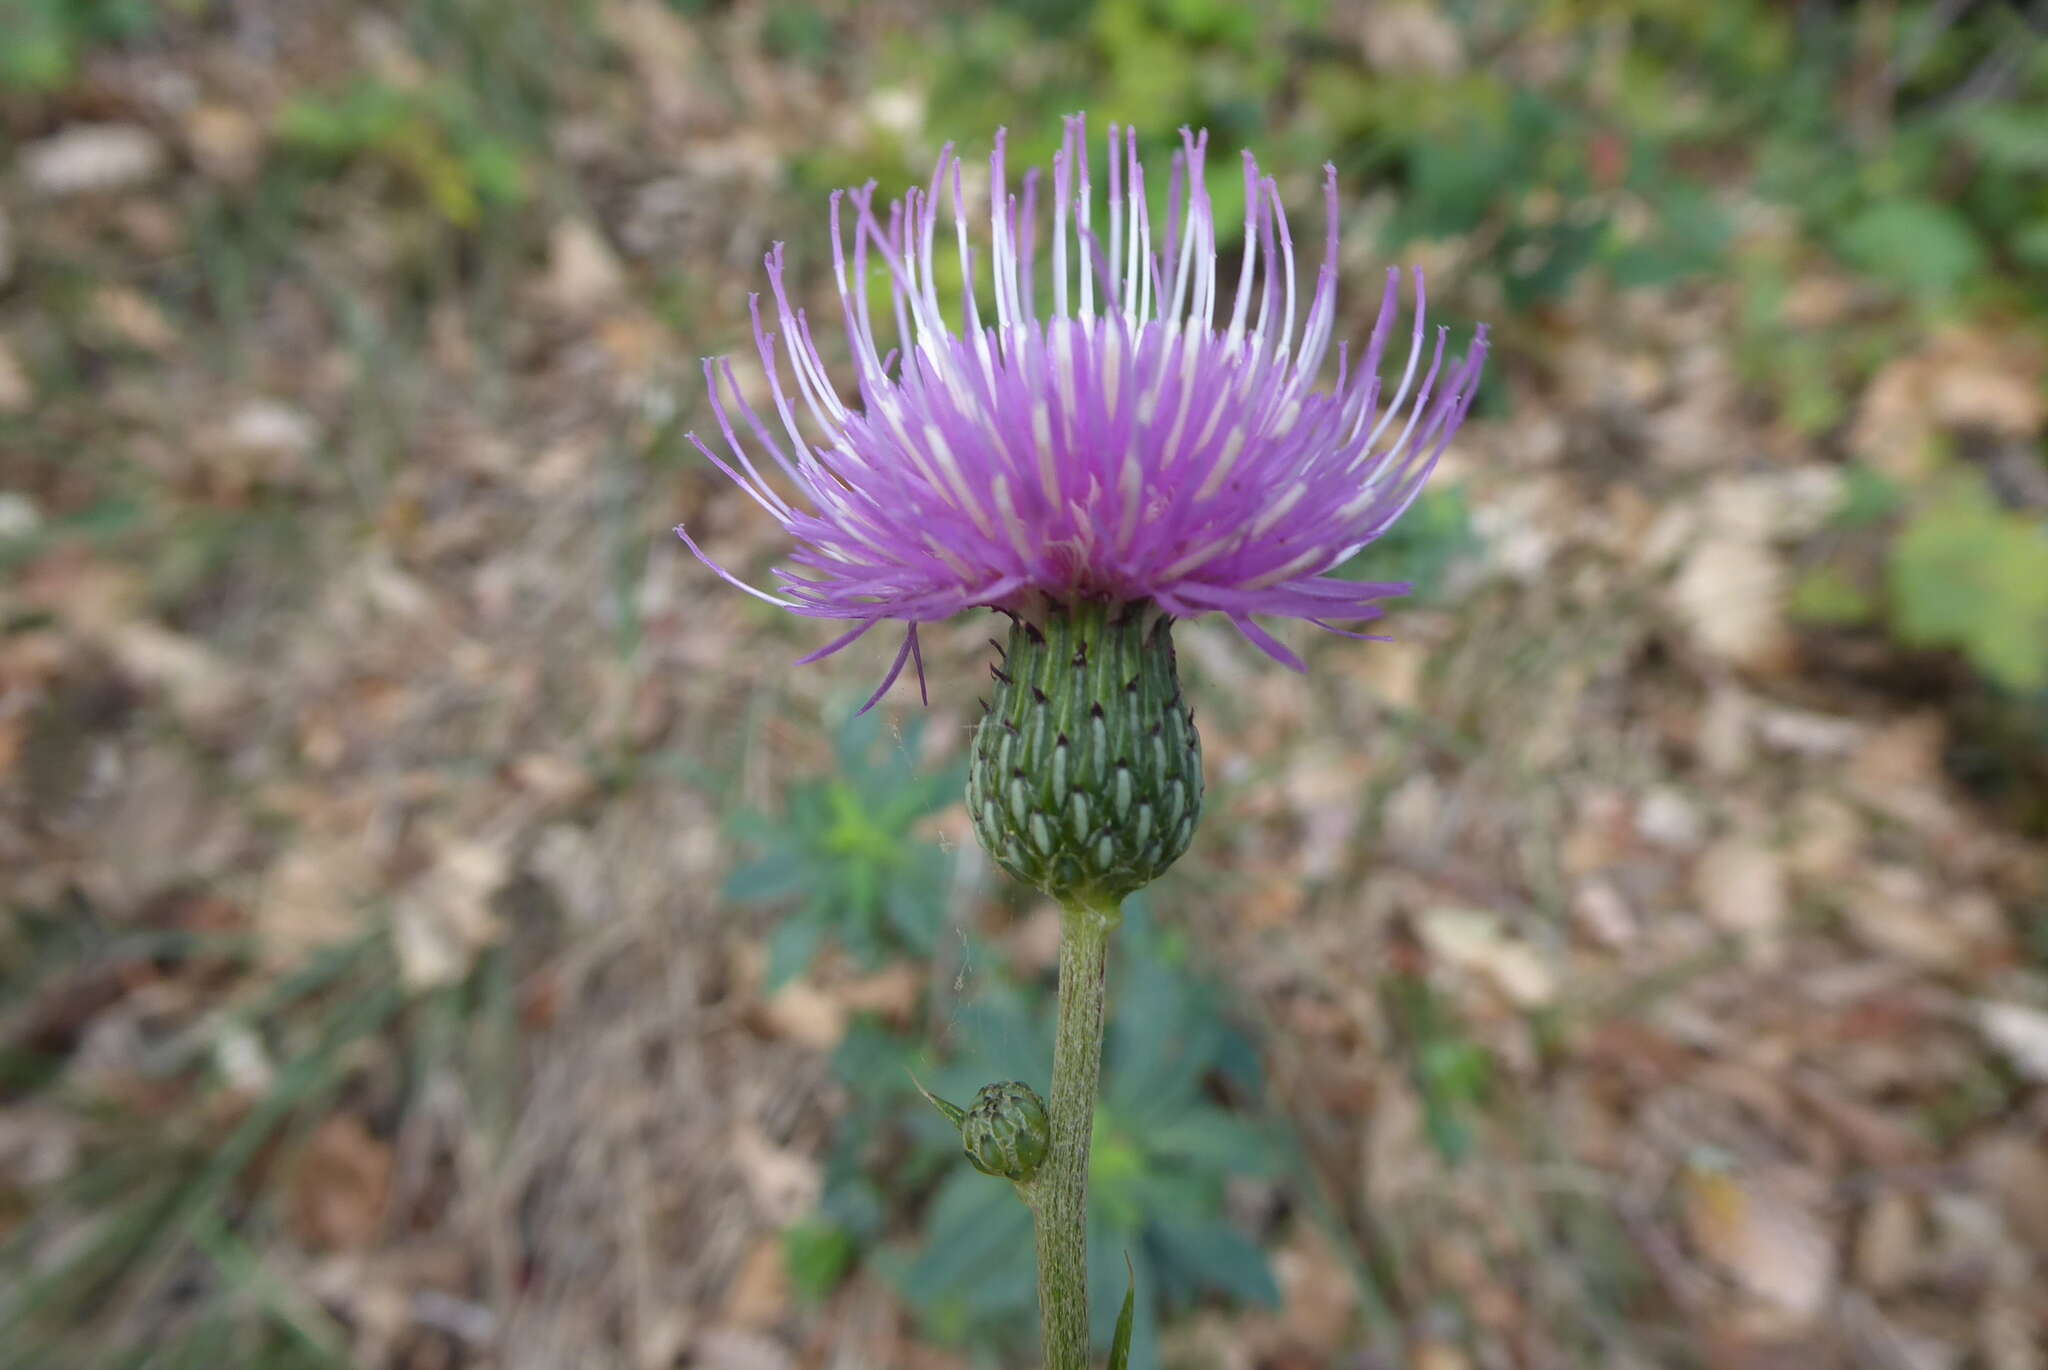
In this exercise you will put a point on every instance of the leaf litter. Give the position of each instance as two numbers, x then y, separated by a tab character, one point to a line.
1739	999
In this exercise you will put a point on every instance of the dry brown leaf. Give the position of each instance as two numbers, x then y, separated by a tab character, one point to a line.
121	315
1741	888
1474	940
339	1186
759	1293
1393	671
160	829
803	1011
1728	598
1273	900
1411	819
552	778
1803	732
733	1348
1898	770
2020	1031
662	50
1727	731
1820	297
783	1183
444	919
1519	528
227	143
1897	911
313	897
1962	379
1773	504
1883	1344
39	1145
891	991
262	442
1605	914
17	392
1438	1355
1888	1241
1880	1137
1827	836
565	857
898	109
2013	1168
2011	1331
1776	1251
91	159
1034	940
1410	37
1318	1296
12	733
1602	833
203	688
584	274
1668	818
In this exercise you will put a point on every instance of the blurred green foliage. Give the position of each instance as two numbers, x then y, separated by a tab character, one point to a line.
844	857
1968	574
1451	1072
1171	1130
1431	538
431	136
43	41
166	1182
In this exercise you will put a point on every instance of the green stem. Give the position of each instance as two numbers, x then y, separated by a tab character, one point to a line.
1058	1194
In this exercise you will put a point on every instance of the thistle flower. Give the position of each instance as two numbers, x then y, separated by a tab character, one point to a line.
1156	437
1158	446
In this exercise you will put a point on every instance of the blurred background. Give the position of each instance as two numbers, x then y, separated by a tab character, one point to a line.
443	931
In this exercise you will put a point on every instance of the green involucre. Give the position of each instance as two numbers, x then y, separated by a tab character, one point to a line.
1086	774
1006	1131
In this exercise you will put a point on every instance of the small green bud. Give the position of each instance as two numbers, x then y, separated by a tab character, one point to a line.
1085	779
1006	1131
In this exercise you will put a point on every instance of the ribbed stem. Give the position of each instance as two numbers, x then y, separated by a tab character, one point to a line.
1058	1195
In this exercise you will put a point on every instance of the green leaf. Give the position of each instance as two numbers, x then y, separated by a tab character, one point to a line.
976	1247
914	896
1218	1256
1922	247
1120	1344
1448	1131
817	1255
1970	575
769	880
1828	595
1557	252
2030	244
1690	236
1454	1069
791	950
1214	1140
1455	181
2009	137
1868	497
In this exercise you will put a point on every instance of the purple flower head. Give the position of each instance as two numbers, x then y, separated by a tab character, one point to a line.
1158	435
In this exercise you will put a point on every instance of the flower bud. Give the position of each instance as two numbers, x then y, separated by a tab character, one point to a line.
1006	1131
1086	774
